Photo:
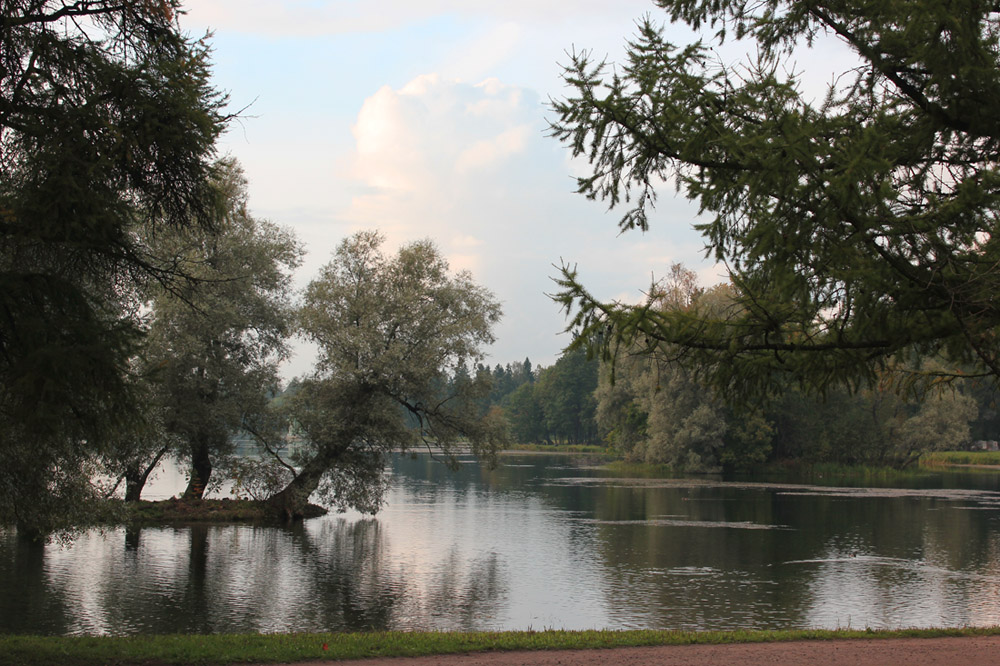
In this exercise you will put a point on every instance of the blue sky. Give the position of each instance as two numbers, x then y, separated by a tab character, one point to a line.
427	120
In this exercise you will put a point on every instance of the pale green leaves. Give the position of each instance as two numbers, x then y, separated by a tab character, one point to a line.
391	329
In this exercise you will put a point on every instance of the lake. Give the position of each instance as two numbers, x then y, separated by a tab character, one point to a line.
545	541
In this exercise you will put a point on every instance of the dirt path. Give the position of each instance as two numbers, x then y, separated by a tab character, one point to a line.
964	651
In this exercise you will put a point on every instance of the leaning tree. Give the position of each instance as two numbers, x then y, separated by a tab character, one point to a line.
390	331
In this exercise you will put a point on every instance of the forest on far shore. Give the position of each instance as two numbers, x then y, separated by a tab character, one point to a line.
658	413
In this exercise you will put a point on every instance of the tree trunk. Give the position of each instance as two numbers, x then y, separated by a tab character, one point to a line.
201	470
290	502
135	479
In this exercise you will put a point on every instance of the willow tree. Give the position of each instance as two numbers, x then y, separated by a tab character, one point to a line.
390	330
859	230
108	125
214	343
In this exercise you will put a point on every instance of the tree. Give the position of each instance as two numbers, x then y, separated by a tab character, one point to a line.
621	415
859	231
391	331
656	411
525	415
940	424
565	393
107	127
214	346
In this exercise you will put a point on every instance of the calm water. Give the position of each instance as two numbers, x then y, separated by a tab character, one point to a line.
544	541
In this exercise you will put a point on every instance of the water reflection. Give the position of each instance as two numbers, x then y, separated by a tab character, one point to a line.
543	542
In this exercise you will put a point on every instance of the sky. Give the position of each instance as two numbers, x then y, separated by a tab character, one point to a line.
429	120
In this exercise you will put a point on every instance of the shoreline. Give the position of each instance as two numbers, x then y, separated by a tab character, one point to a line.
540	648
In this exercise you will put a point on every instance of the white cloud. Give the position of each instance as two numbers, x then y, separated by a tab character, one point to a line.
500	100
470	167
473	59
425	136
486	152
466	241
388	155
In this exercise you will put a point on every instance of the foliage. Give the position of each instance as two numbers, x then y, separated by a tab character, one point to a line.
258	479
508	378
941	422
525	415
859	229
107	127
557	405
748	440
565	393
390	331
873	427
987	397
984	458
657	412
215	343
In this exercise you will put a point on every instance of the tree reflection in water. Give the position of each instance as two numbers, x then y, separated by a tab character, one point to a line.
539	543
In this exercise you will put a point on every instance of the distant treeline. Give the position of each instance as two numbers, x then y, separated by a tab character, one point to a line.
657	413
553	405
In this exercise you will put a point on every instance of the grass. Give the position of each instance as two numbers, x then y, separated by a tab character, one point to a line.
803	472
204	510
640	470
840	473
277	648
562	448
944	458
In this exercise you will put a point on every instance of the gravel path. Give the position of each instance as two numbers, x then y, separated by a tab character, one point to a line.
963	651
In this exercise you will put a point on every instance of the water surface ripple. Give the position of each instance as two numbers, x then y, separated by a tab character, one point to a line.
543	541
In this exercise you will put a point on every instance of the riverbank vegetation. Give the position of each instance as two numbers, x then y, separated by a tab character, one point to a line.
591	449
290	648
649	410
181	510
970	458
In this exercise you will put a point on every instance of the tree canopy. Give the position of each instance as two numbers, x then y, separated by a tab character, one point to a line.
859	229
391	331
107	127
214	344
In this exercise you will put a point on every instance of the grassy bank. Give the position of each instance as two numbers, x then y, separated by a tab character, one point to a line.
204	510
821	473
797	471
277	648
560	448
944	458
640	470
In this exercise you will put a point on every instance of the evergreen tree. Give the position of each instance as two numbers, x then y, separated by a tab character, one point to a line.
107	131
565	393
859	230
